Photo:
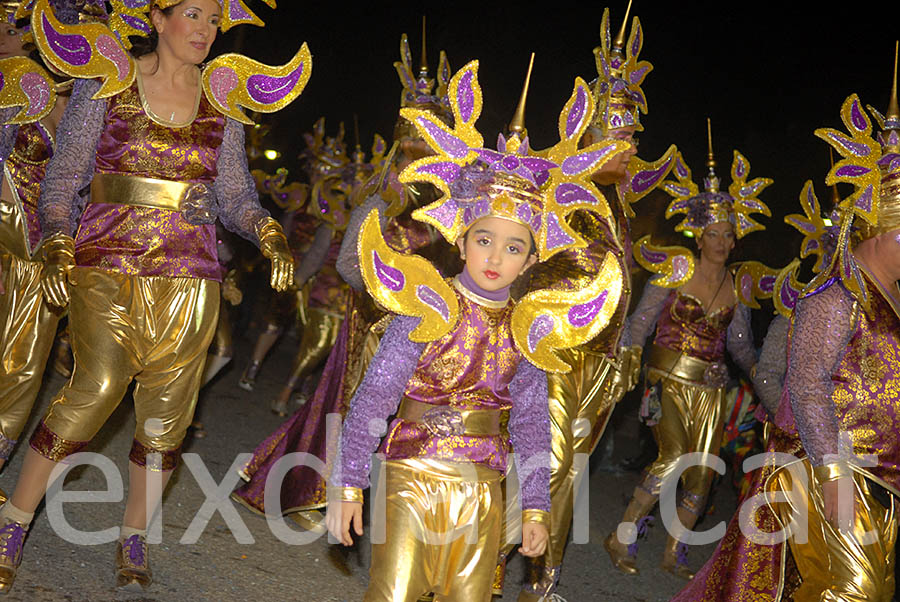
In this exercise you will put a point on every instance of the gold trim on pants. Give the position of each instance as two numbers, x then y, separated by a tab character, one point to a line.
27	329
692	421
833	564
154	330
431	510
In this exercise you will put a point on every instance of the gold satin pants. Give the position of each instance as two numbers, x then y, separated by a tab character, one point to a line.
27	329
833	564
433	509
319	334
692	421
153	330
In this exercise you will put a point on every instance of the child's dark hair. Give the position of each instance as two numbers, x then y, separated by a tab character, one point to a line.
141	45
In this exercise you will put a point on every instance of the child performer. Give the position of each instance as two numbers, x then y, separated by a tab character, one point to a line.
474	357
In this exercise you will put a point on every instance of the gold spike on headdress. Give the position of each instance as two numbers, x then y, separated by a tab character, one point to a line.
711	181
619	43
423	61
517	124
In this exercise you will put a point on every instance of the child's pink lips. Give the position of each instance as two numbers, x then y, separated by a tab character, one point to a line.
491	274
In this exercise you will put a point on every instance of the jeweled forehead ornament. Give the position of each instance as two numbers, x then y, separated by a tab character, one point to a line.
476	182
703	209
617	92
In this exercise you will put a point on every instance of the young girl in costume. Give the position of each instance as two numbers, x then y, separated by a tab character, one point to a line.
161	145
459	357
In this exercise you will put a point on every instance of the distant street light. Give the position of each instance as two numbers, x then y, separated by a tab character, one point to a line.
271	154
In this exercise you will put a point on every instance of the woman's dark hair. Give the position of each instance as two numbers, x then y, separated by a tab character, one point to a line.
141	45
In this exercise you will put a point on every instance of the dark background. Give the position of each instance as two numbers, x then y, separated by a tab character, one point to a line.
767	73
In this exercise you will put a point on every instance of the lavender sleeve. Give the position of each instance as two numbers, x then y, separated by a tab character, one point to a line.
315	256
377	398
768	381
237	201
823	326
8	133
641	323
740	339
529	430
71	168
348	258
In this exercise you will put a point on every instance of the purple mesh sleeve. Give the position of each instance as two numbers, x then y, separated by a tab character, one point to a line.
529	430
641	323
740	339
823	326
772	365
377	398
238	203
315	256
348	259
72	167
8	133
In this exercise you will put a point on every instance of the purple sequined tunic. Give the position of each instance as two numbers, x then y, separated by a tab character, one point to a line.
475	366
117	136
844	377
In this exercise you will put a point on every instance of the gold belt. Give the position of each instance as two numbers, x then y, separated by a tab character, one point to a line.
139	192
445	421
676	363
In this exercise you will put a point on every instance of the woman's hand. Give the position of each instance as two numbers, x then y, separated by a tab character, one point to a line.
338	519
534	539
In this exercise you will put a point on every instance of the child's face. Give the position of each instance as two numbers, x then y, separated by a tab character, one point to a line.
496	251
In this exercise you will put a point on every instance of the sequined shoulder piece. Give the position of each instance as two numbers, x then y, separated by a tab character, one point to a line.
232	79
643	177
83	50
673	266
787	289
754	280
545	321
25	84
406	284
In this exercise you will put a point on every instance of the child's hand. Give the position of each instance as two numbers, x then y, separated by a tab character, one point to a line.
534	539
339	516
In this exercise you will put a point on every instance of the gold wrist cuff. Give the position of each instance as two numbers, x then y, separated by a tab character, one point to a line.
347	494
832	471
536	516
267	227
59	249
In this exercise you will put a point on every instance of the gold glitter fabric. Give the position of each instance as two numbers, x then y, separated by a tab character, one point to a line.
36	98
154	331
27	330
448	547
319	334
834	564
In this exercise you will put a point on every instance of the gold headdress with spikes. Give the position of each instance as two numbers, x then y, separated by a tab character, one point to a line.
617	92
417	89
703	209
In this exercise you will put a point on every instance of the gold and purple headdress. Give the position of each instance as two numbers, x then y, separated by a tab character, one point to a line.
475	182
873	168
132	17
93	50
617	92
703	209
419	90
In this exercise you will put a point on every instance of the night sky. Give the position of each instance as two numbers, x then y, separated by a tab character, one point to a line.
767	74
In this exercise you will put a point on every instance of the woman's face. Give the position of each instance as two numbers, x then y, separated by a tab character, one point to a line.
189	31
717	242
11	41
496	251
